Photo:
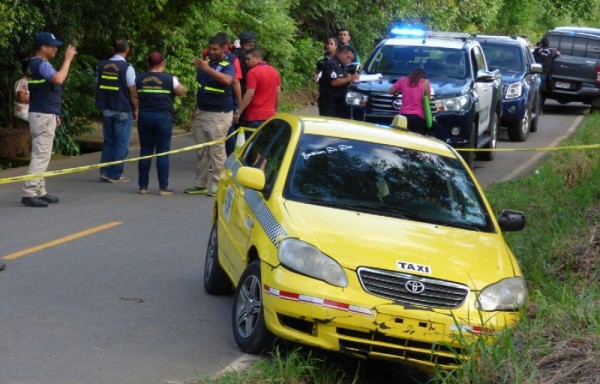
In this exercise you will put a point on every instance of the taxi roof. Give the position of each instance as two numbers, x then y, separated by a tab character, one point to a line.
357	130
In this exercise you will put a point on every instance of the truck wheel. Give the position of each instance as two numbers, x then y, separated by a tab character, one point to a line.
489	156
469	156
216	281
534	121
519	131
248	321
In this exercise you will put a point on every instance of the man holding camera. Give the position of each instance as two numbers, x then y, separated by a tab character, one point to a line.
334	82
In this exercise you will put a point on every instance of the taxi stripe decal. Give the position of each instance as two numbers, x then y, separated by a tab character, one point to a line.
318	301
264	216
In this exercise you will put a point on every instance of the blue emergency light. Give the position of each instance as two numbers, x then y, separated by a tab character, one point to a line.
402	31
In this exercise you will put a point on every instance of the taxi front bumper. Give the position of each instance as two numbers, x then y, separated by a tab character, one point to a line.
351	321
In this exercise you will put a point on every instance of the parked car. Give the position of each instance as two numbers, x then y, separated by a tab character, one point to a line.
521	83
467	96
576	72
370	241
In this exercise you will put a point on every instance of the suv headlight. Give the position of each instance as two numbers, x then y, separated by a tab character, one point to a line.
356	99
452	104
506	295
308	260
513	90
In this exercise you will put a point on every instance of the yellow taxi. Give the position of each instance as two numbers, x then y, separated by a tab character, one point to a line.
367	240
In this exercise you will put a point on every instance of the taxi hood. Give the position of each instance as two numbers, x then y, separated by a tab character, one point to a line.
357	239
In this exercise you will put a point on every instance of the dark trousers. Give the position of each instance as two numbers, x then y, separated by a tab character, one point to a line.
155	130
333	107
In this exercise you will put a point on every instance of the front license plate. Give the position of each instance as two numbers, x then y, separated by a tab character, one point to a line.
562	84
410	328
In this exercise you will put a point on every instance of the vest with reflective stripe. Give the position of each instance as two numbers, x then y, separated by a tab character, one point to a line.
44	96
212	95
155	91
112	92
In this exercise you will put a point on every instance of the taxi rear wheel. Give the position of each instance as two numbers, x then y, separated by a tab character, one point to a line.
216	281
249	329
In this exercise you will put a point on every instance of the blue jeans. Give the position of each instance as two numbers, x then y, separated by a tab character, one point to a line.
117	134
155	130
252	124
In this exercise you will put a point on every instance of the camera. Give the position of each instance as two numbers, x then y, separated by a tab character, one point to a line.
352	68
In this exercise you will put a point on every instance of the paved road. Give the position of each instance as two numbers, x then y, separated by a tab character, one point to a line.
123	302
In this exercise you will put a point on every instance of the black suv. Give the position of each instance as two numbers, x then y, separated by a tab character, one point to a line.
521	83
576	72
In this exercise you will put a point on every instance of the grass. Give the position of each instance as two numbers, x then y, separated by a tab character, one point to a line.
558	339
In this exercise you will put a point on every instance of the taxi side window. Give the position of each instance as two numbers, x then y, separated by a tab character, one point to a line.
267	150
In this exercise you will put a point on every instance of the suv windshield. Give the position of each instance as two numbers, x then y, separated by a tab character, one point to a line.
503	57
385	180
400	60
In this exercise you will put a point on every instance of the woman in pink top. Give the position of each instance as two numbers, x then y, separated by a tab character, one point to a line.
411	88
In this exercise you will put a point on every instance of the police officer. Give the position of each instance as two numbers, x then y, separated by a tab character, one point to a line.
213	114
334	82
117	98
45	96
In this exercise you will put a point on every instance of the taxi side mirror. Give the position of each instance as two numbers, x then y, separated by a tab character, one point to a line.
250	177
400	122
511	220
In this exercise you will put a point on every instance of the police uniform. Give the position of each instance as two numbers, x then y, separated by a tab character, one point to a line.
155	124
332	99
212	121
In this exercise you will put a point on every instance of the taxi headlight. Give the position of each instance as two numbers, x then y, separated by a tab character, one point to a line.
355	98
303	258
452	104
514	90
506	295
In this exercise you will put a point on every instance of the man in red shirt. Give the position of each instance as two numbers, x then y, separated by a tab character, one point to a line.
263	90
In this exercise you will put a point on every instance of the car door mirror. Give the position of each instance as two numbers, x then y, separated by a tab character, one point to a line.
536	68
484	76
511	220
252	178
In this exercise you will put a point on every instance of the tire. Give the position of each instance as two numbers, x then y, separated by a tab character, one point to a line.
216	281
534	122
489	156
248	321
519	131
469	156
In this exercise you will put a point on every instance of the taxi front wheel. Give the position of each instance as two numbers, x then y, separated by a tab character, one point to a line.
216	281
249	330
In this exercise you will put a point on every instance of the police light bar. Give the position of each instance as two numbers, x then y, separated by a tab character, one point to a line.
407	32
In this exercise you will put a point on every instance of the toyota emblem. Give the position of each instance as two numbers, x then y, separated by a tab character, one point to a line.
414	286
396	104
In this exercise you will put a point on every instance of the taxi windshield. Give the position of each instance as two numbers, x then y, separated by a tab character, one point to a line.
385	180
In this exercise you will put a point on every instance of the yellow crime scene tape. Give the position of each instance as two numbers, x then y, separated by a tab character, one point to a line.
239	142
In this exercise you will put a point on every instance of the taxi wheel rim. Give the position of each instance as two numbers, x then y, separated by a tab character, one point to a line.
210	253
248	306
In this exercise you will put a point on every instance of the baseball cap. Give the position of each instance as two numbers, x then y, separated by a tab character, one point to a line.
46	38
247	37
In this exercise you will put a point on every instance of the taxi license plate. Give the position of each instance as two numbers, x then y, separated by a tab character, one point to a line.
411	328
562	84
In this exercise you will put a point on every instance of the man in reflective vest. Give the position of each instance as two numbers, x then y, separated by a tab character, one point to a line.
213	115
117	98
45	96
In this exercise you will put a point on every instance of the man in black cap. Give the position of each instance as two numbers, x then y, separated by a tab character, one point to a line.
45	96
247	41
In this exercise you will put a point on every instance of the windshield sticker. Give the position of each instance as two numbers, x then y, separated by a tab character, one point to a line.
404	266
330	149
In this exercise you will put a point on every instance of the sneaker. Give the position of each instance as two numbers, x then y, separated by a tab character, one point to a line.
36	202
213	191
2	266
165	191
50	199
104	178
196	191
143	190
120	179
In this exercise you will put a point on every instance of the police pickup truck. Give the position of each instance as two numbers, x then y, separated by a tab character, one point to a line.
466	96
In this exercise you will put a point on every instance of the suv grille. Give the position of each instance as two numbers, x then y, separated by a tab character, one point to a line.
427	292
384	103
